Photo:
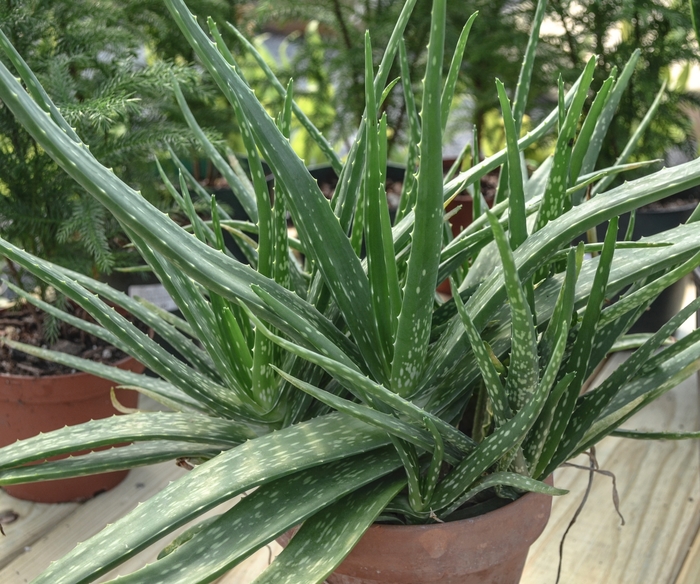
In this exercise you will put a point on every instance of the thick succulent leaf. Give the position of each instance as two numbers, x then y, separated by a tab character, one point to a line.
608	113
634	139
641	391
494	446
239	189
387	422
132	340
507	479
206	265
364	386
447	354
517	227
646	435
555	200
522	89
492	381
138	427
261	516
523	371
319	228
114	459
581	351
116	374
413	332
326	538
253	463
308	125
591	405
448	90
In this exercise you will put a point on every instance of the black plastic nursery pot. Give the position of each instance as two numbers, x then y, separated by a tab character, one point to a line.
651	221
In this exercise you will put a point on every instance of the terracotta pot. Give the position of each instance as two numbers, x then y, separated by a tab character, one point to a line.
30	405
488	549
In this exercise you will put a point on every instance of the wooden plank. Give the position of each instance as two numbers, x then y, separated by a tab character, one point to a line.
659	488
25	522
690	573
87	519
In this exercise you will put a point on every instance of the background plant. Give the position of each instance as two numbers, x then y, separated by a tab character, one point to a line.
344	389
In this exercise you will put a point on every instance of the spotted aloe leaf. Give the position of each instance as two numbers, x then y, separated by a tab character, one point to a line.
555	196
326	538
305	445
448	90
581	351
263	515
113	459
141	427
523	369
413	332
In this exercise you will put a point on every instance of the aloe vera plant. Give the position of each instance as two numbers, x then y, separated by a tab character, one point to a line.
344	388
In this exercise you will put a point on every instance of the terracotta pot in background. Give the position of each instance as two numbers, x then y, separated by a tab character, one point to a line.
487	549
30	405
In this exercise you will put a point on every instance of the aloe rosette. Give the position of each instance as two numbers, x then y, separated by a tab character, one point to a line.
340	386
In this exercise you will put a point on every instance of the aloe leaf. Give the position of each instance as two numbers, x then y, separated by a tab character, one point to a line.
505	479
140	427
116	374
305	445
312	214
555	200
381	262
448	90
493	447
326	538
413	332
647	435
390	424
260	517
409	458
139	345
201	191
113	459
523	370
516	200
634	139
648	292
219	274
591	405
242	194
646	388
494	387
407	200
308	125
580	354
356	380
584	138
522	89
608	113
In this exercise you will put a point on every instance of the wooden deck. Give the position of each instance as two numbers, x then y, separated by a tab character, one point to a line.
658	484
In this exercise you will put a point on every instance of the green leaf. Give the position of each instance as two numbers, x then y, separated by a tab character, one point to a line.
140	427
114	459
413	332
261	516
523	371
253	463
448	90
326	538
241	192
516	200
522	89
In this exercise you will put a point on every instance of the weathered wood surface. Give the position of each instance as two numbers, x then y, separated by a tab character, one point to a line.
659	489
658	484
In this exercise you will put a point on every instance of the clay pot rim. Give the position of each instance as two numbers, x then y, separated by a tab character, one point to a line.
507	509
123	361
